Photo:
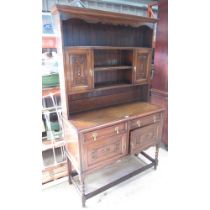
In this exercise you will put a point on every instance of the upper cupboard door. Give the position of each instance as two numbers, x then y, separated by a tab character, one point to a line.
142	65
79	70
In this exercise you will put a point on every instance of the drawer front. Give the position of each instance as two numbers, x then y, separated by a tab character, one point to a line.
104	132
140	122
104	150
142	138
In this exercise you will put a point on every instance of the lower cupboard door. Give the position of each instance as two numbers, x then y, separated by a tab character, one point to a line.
103	151
142	138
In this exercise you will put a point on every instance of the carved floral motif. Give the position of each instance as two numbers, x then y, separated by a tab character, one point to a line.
79	69
142	68
106	150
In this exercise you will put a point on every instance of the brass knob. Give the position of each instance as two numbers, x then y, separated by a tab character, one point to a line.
124	147
134	68
138	123
94	135
117	130
154	118
91	72
132	145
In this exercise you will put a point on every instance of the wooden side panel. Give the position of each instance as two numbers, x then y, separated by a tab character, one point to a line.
160	80
159	91
72	144
62	76
79	70
161	98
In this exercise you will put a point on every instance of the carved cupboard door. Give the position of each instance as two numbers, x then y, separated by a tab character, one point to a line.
142	66
103	151
144	137
79	70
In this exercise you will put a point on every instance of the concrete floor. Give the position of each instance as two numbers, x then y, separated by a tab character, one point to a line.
146	190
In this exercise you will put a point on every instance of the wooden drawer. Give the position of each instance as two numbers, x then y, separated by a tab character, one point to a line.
140	122
104	150
104	132
142	138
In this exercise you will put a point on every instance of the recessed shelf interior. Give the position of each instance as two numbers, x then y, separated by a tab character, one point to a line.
112	67
77	32
112	58
112	78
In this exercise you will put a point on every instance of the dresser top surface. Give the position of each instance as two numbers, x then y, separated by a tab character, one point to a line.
111	115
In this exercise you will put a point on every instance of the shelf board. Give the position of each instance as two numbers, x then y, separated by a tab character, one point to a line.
51	109
47	144
111	85
53	166
111	68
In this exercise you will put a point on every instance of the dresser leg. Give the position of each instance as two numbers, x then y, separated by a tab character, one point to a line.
156	156
69	170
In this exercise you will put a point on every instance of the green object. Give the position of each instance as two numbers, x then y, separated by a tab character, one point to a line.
53	135
54	131
54	126
50	80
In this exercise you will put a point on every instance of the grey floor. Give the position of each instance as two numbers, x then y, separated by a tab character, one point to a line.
146	190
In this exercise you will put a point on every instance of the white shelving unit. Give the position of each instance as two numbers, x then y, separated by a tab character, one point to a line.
54	169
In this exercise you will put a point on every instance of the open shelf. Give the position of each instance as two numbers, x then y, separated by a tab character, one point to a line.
111	85
111	68
49	144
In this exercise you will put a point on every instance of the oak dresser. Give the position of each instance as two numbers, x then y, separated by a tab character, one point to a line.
105	64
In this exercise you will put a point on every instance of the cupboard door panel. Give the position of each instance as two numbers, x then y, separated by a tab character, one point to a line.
104	150
79	70
142	65
142	138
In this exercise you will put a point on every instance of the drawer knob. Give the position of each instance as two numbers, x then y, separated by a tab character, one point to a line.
154	119
117	130
91	72
124	147
94	135
138	123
